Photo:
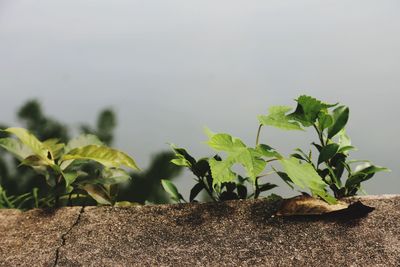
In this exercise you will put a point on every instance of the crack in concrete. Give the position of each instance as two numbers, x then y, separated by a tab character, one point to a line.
64	235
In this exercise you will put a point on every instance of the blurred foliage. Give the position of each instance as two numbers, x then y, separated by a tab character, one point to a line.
146	186
16	180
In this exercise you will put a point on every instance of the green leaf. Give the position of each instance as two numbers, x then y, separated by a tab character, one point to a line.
69	178
182	157
83	140
344	139
238	153
171	189
266	187
340	118
109	157
195	191
225	142
305	176
221	171
327	152
201	168
267	151
15	147
98	193
113	176
308	109
33	161
32	142
277	118
56	149
364	174
344	142
324	120
346	149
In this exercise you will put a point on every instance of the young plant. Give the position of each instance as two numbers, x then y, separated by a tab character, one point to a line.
333	147
216	176
83	166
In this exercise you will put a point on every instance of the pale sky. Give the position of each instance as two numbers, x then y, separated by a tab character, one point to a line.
169	68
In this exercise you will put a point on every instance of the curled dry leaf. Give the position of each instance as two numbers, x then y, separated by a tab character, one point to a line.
306	205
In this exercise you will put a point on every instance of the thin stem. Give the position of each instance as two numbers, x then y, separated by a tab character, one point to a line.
266	174
258	134
56	195
320	136
208	189
271	160
255	188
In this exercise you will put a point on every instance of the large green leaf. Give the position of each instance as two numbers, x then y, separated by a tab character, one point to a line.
305	176
225	142
237	153
340	118
16	148
83	140
109	157
277	118
32	142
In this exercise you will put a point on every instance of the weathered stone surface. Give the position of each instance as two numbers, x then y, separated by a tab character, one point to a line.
33	237
236	233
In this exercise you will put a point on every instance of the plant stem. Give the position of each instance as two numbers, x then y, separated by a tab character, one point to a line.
56	193
258	134
320	136
208	190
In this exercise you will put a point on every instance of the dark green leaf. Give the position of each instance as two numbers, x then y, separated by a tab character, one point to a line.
266	187
363	175
195	191
242	191
308	109
340	118
298	156
201	168
327	152
285	178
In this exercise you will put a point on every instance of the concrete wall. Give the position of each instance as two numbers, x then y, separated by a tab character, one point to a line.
236	233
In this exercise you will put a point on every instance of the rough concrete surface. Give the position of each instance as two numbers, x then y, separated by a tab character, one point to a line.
235	233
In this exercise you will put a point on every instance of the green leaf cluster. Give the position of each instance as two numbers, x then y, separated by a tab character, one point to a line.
82	167
217	176
333	147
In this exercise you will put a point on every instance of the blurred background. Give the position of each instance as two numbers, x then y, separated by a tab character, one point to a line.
158	72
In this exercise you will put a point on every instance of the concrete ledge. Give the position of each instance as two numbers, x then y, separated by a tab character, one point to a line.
235	233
